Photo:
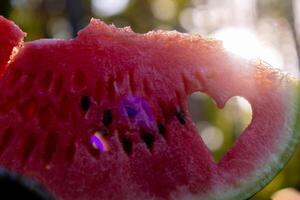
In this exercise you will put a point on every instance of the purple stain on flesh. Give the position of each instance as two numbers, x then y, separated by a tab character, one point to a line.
131	112
96	141
137	110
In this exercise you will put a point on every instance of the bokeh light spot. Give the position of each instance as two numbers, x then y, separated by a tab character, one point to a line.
212	137
186	19
19	3
109	7
59	28
164	9
286	194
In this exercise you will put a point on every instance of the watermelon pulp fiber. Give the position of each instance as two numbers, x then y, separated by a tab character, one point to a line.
104	115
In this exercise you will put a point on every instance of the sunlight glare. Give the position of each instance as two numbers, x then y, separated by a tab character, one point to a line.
245	43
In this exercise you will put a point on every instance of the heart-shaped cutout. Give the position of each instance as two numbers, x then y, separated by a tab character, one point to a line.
219	128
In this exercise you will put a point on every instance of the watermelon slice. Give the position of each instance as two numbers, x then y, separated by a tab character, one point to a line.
104	115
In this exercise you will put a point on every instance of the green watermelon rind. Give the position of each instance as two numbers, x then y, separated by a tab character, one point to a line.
277	160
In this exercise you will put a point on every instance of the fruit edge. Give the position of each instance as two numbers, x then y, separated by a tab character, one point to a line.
260	178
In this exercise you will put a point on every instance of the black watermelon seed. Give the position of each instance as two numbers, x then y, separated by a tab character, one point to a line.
85	103
104	132
161	129
127	145
107	117
181	117
148	138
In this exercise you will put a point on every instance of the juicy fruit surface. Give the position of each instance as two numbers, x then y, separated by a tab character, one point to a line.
11	36
104	116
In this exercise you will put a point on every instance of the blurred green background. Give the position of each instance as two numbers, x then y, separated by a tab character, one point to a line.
266	29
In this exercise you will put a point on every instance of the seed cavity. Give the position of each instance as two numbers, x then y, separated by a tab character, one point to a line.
70	150
9	103
104	132
126	144
112	87
64	108
50	149
180	116
46	81
85	103
29	81
199	78
107	117
148	138
178	96
15	76
28	148
28	108
164	109
44	114
6	139
185	82
161	129
78	79
58	85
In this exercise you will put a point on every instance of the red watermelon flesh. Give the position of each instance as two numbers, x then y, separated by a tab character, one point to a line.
104	115
11	36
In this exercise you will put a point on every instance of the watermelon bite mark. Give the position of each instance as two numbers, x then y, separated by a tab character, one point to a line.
104	115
